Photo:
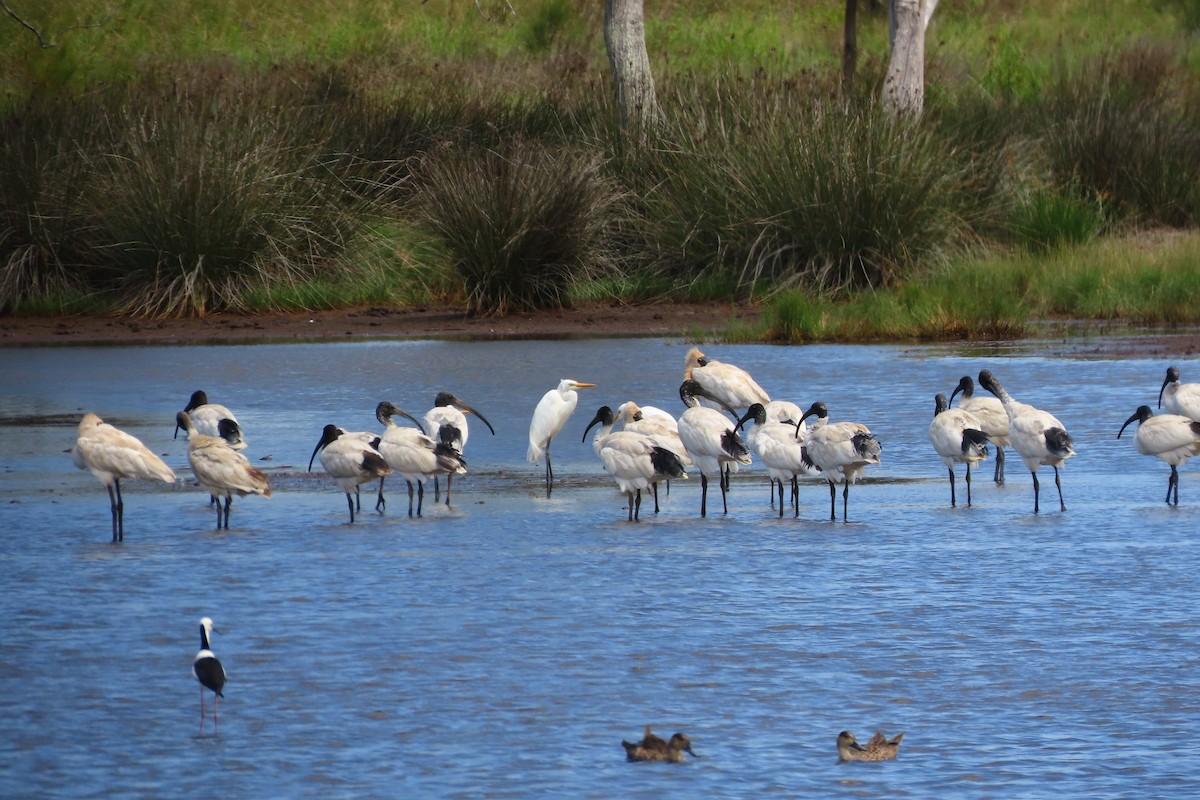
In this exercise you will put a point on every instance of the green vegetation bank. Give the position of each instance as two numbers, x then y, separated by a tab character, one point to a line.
173	158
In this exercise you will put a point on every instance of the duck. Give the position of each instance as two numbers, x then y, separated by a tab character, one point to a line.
653	748
879	748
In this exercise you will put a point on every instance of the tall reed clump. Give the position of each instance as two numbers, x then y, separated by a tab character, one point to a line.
521	222
818	195
41	182
1126	130
211	192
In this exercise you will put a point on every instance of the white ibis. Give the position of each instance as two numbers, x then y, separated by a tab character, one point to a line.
1181	398
111	455
653	748
446	422
221	470
839	449
780	451
213	419
549	417
957	437
1172	438
711	440
1037	436
660	426
724	383
412	454
993	419
635	460
208	670
351	459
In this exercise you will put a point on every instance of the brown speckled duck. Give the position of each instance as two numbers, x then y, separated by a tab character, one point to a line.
653	748
879	748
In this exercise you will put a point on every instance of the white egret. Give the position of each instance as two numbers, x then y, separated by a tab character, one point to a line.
221	470
1035	434
549	417
351	460
839	449
957	437
111	455
993	419
1172	438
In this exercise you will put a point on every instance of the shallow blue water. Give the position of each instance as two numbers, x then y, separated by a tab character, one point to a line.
505	646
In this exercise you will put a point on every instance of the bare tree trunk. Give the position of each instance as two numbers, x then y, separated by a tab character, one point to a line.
850	44
904	85
633	85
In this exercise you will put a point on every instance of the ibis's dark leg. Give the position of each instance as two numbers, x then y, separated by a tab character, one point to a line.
703	495
410	496
845	498
380	503
724	504
449	477
968	484
118	511
629	505
1061	505
350	502
437	491
773	493
1173	483
228	503
780	495
420	496
999	476
1036	491
637	508
952	499
655	487
796	496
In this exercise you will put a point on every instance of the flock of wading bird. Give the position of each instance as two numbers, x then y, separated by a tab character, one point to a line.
650	445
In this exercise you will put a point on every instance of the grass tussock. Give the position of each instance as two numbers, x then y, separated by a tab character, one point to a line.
522	224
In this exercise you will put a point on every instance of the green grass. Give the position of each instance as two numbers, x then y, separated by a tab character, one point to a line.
1144	280
367	153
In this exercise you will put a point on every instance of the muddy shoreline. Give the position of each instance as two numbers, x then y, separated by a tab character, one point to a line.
685	320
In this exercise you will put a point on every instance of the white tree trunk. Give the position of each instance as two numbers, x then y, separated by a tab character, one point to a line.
633	85
904	84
